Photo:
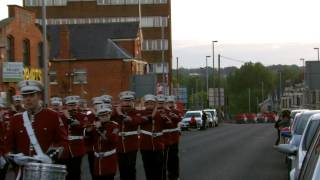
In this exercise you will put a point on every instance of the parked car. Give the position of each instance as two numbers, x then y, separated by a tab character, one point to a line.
240	118
262	118
300	131
214	115
271	117
310	169
192	119
296	111
251	118
306	140
209	119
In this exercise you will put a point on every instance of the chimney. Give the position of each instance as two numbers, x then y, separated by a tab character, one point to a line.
64	52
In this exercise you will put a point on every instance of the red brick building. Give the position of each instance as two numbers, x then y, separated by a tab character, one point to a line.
20	41
92	59
155	17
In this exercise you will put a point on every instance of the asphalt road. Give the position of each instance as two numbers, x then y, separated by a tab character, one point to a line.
230	152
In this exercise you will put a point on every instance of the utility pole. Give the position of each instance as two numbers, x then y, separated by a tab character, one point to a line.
249	92
262	91
177	90
45	58
318	53
218	84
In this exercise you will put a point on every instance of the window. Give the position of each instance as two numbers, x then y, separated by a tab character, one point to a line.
157	68
40	55
155	45
310	132
53	77
31	3
80	76
10	48
146	22
130	2
26	52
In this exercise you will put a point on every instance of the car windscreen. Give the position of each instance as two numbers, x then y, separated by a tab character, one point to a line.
310	132
301	123
211	112
209	115
190	114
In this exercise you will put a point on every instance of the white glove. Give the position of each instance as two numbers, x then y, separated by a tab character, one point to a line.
43	158
127	119
3	162
75	122
20	159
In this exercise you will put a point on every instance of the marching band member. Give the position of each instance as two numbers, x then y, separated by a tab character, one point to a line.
128	119
3	163
175	133
56	104
105	138
76	125
151	145
35	131
17	104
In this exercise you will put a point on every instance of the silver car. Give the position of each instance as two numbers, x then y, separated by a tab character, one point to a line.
302	129
213	113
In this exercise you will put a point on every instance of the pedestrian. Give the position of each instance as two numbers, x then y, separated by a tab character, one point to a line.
152	144
175	115
129	120
104	136
283	121
37	130
204	120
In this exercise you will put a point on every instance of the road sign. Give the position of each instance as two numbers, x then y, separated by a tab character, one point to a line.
181	94
214	97
12	72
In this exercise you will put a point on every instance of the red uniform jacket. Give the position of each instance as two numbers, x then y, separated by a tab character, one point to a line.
76	136
105	143
49	130
167	140
88	120
176	117
128	143
153	125
1	138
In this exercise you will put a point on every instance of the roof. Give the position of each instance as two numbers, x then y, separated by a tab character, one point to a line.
93	41
5	21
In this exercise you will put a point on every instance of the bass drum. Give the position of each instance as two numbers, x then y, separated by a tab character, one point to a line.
39	171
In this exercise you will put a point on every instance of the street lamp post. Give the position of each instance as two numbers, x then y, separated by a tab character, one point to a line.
207	80
318	53
213	64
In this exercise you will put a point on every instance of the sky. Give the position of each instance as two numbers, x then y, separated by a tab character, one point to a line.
266	31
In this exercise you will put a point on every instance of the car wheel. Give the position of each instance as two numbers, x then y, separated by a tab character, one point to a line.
211	125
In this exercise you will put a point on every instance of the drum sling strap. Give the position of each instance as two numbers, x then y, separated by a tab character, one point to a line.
32	137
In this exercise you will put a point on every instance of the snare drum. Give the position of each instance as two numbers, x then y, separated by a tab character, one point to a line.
39	171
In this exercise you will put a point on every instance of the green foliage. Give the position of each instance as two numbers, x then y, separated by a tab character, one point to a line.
262	81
